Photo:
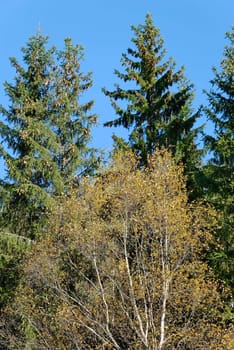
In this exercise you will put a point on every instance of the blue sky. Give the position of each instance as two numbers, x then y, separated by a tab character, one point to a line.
193	30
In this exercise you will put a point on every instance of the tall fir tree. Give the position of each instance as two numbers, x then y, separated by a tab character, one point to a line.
71	120
155	106
220	168
45	132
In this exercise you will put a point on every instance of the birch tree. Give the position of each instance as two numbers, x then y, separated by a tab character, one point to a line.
123	267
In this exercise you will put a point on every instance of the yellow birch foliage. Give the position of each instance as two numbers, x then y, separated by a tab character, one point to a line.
122	267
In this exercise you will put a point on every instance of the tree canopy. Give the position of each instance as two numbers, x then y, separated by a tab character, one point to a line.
122	267
135	252
46	130
155	102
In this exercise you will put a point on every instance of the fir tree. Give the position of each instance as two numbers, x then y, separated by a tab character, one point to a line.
31	172
45	132
156	104
220	168
71	120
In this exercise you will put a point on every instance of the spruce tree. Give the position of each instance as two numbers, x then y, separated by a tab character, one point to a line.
155	106
71	120
220	168
45	132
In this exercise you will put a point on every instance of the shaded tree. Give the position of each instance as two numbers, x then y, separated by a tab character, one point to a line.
220	168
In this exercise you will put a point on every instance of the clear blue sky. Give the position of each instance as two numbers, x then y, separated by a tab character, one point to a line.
194	33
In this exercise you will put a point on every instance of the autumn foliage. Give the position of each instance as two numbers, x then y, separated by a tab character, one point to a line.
122	267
